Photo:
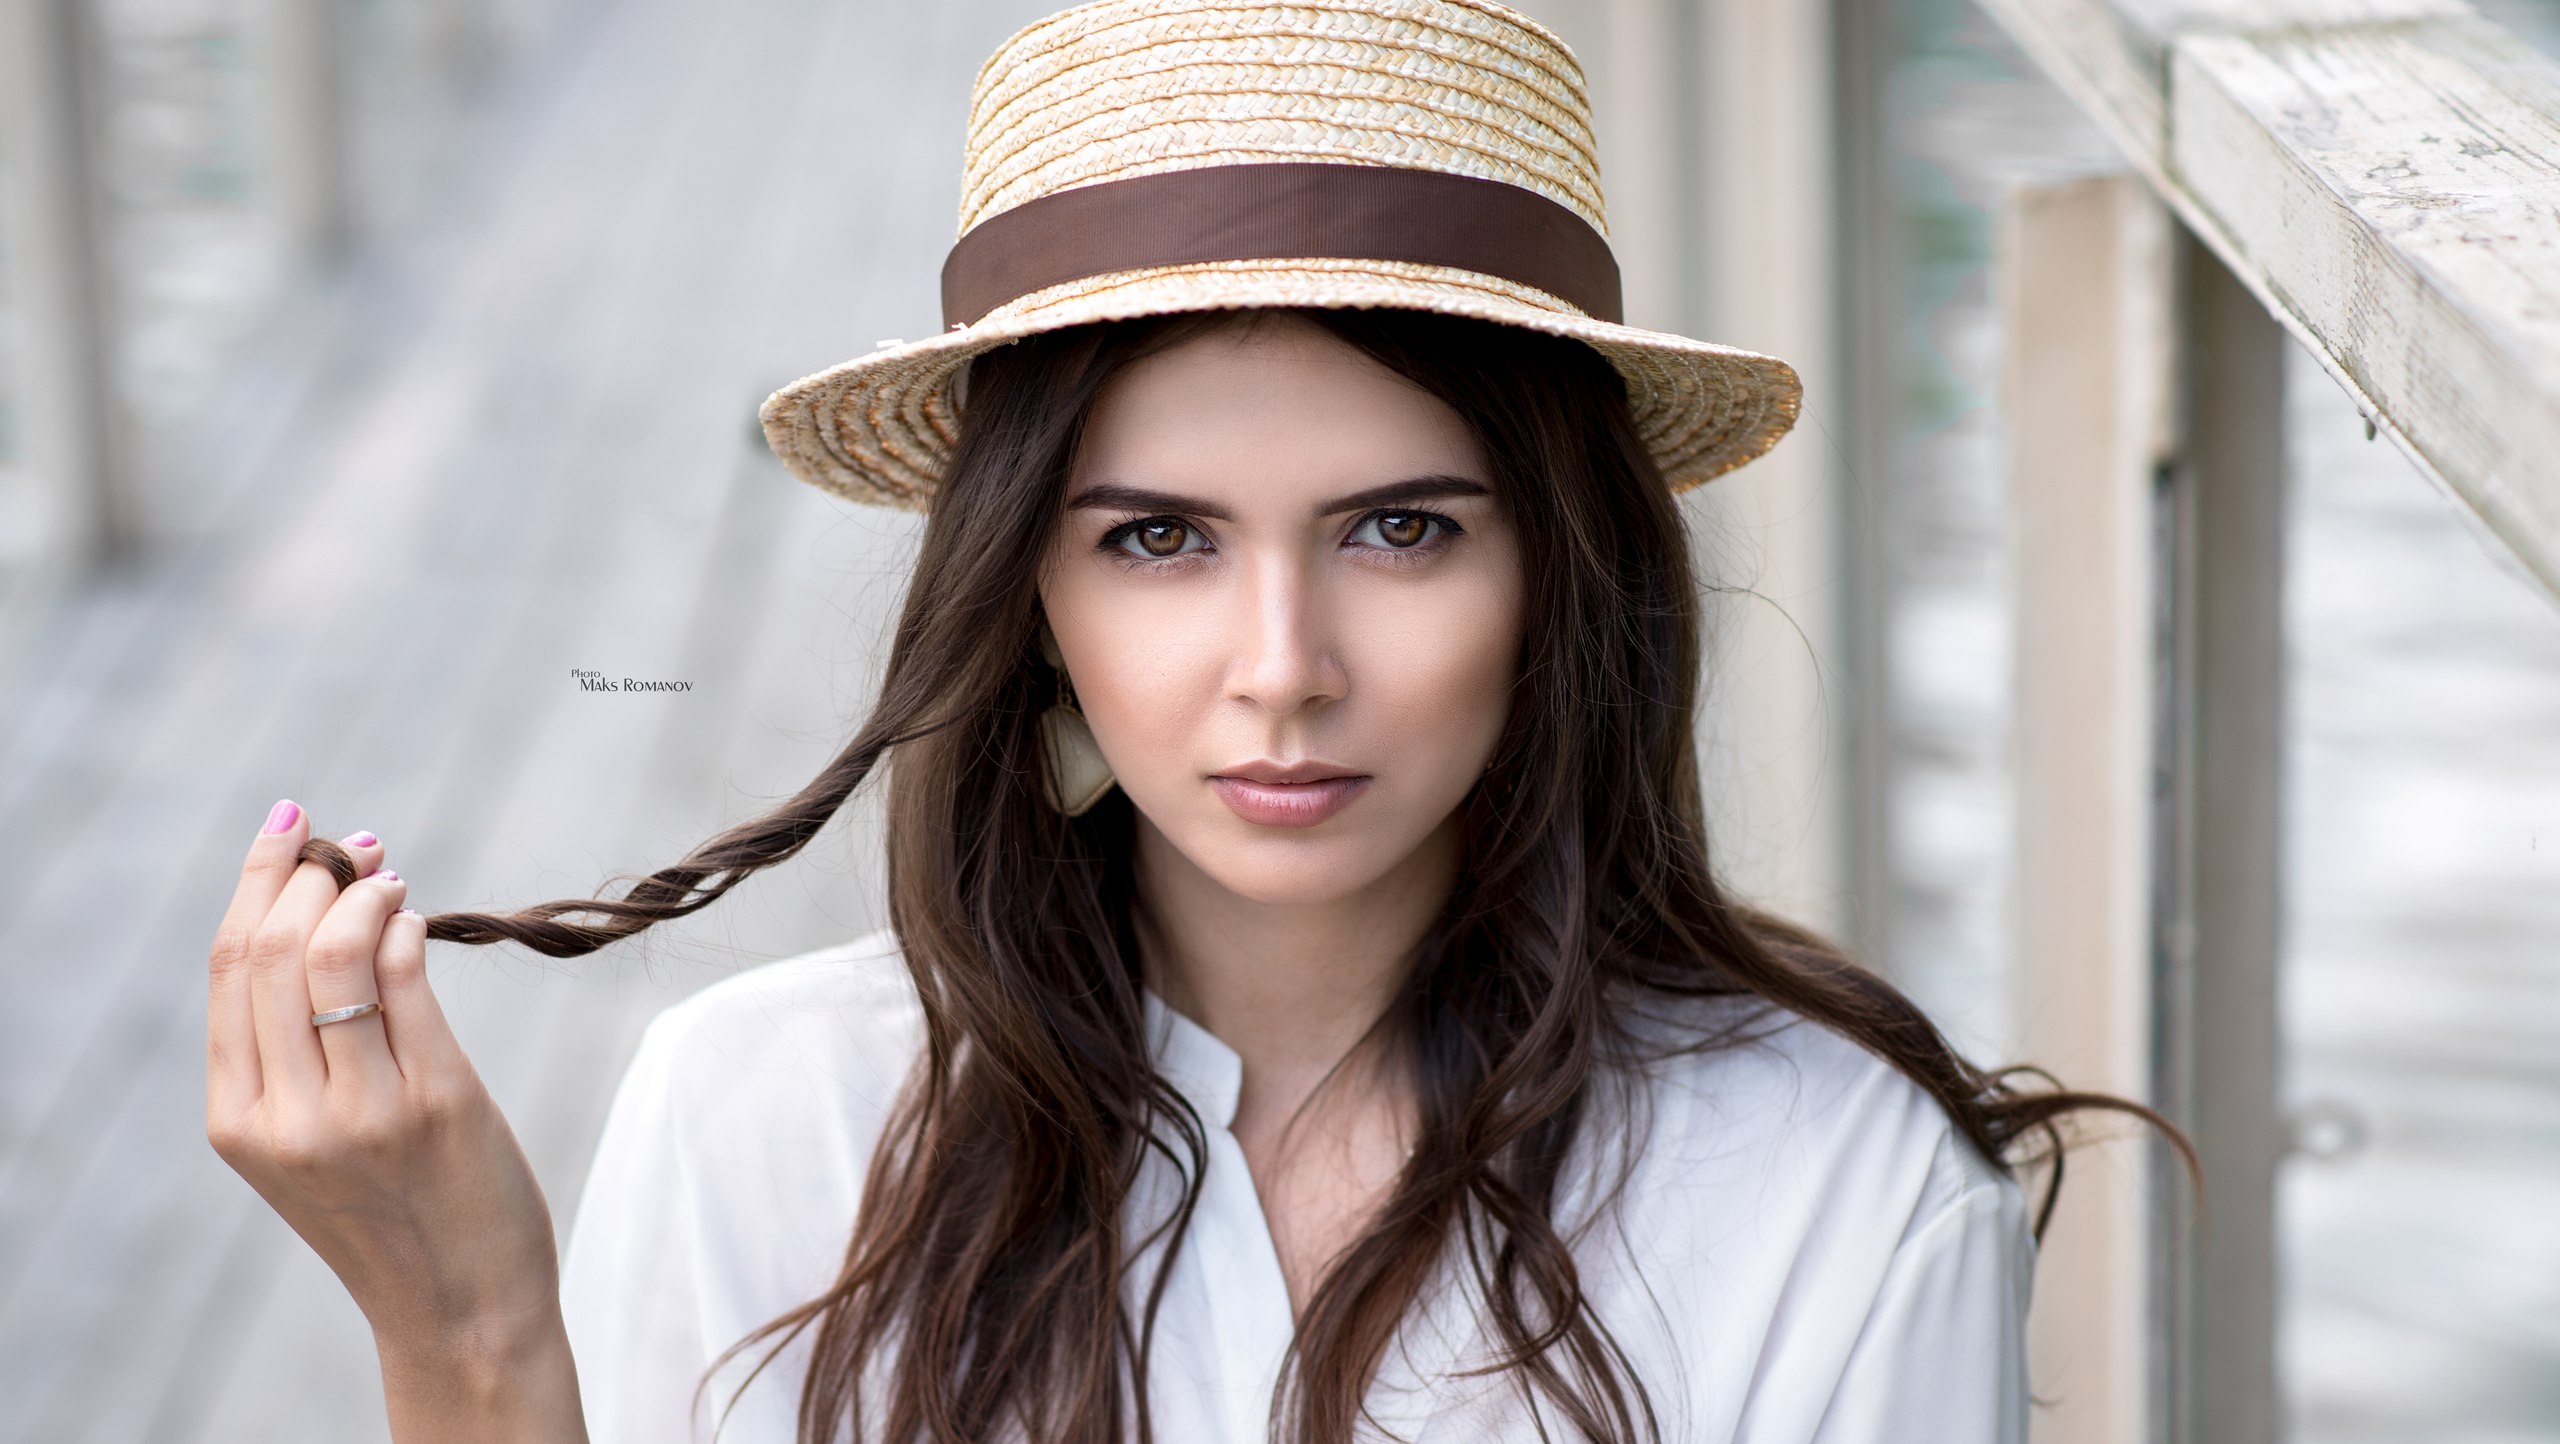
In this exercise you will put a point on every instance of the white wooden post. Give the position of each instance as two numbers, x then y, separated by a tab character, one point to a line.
2144	415
75	448
2221	898
1867	299
1646	112
1764	70
2085	289
302	123
1715	137
1629	49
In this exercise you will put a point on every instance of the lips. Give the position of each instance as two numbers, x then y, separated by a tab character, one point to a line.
1299	794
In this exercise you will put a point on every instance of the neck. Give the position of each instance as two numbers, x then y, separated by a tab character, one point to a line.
1292	987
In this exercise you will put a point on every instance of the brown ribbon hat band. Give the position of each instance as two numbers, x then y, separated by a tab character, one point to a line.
1281	211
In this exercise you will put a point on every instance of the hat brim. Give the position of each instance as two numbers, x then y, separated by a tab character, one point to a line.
880	428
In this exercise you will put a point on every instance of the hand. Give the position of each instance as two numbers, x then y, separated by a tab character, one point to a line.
376	1141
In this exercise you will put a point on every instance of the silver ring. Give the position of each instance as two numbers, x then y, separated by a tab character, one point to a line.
345	1015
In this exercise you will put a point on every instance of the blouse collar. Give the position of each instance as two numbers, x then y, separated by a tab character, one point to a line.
1206	1072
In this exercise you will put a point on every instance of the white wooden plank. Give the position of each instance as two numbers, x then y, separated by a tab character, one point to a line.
2398	189
2113	55
2379	174
2164	21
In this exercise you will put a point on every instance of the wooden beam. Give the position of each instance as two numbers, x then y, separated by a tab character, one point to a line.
2085	283
2380	174
74	443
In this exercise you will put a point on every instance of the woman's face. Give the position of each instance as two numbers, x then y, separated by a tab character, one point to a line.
1290	603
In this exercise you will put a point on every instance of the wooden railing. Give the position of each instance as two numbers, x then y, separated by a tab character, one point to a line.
2381	178
2382	175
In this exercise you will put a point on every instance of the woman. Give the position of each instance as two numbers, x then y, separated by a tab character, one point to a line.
1309	1010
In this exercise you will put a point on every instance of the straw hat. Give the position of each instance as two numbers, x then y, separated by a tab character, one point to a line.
1142	157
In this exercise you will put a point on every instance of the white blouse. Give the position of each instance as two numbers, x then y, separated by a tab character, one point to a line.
1804	1251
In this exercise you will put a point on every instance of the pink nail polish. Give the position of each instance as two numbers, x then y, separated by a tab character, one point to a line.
387	875
279	818
362	839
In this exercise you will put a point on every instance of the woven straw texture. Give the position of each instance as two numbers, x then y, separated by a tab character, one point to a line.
1126	88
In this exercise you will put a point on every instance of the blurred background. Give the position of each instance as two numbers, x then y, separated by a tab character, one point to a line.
369	366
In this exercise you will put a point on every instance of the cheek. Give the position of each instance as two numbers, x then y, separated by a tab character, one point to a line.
1145	659
1155	675
1436	666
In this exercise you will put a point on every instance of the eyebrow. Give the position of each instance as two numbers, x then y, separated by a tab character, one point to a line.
1139	498
1410	490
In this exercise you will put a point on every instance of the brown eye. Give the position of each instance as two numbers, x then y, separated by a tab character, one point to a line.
1403	531
1403	528
1155	538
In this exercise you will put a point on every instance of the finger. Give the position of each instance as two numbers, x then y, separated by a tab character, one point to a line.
279	994
230	1035
422	1042
338	970
367	851
351	857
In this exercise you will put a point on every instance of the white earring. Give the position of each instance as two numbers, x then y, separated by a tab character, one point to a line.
1076	775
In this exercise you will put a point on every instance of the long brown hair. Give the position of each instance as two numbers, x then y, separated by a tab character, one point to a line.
983	1292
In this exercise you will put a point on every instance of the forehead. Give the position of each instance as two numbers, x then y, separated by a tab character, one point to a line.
1270	408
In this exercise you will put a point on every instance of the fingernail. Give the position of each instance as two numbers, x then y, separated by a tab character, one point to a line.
280	817
361	839
387	875
413	912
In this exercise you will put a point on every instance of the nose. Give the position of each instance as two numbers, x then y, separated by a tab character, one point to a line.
1285	657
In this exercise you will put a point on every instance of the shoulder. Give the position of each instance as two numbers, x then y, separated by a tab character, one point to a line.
1781	1152
1740	1081
844	1016
1800	1221
726	1181
759	1099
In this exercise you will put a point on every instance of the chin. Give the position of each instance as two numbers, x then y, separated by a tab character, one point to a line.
1292	872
